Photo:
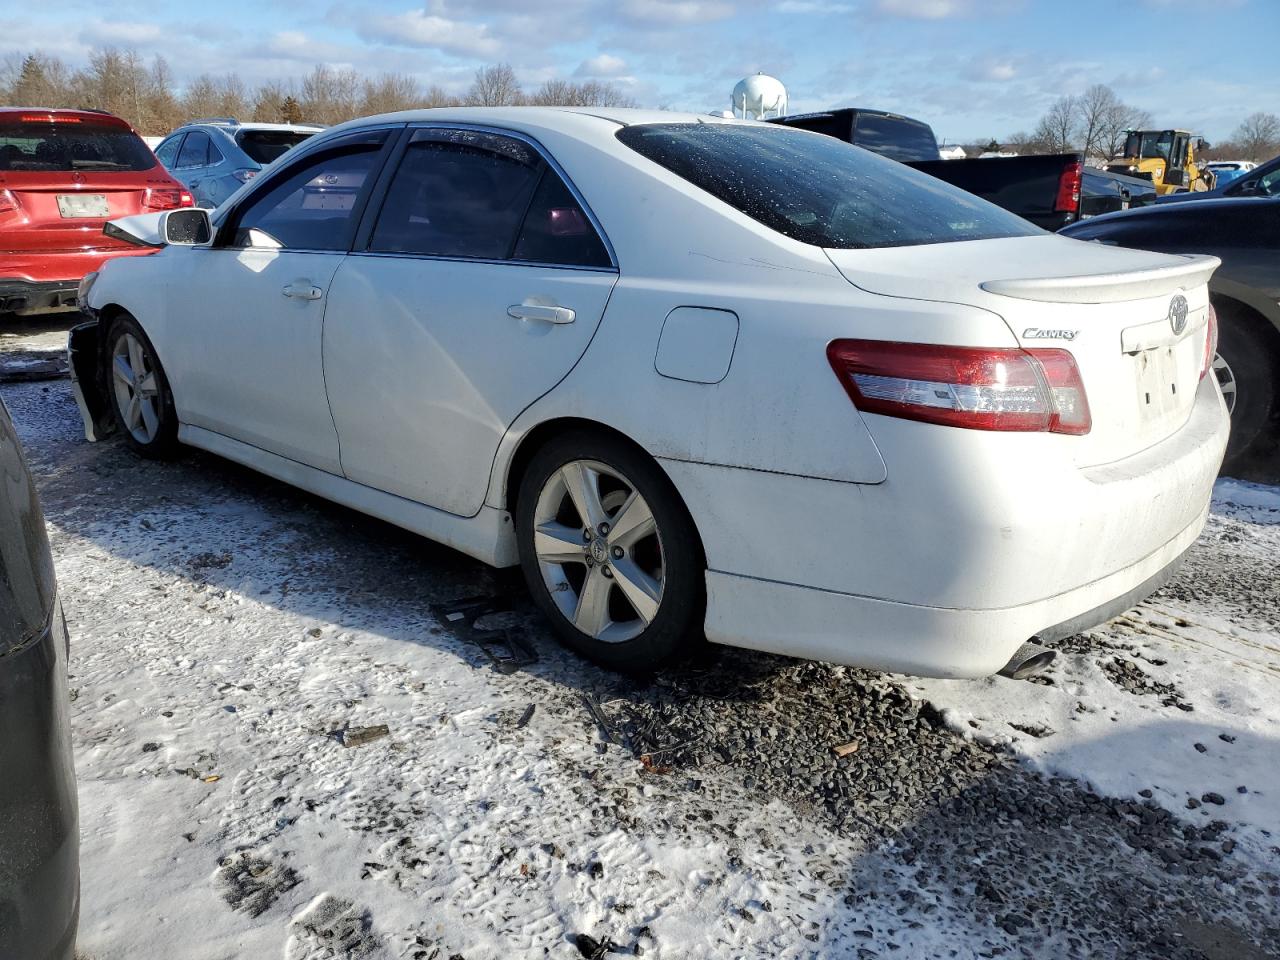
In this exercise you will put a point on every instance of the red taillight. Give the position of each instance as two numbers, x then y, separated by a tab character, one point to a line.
974	387
1210	342
165	199
1069	181
48	118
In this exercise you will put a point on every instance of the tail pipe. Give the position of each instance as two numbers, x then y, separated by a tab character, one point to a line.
1030	659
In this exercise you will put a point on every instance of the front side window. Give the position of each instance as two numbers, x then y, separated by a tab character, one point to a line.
312	205
818	190
71	143
195	150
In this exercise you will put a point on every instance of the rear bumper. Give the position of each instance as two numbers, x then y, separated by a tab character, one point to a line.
20	296
973	544
48	279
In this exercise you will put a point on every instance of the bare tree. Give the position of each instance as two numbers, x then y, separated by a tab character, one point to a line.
1057	128
36	81
495	86
329	96
1258	137
1116	125
389	92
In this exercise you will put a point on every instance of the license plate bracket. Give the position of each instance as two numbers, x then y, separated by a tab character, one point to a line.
74	206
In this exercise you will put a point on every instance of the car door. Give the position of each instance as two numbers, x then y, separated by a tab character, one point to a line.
472	292
189	164
254	304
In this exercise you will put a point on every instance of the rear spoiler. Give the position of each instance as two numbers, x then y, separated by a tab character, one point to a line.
1110	287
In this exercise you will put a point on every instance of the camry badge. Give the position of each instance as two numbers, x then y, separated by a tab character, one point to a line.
1035	333
1178	314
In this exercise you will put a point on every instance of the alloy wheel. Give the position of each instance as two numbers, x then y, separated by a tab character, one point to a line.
1226	381
599	551
137	387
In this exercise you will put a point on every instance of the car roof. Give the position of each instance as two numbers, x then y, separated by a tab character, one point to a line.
1206	207
571	120
233	128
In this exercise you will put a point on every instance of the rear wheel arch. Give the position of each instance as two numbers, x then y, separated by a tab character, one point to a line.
542	434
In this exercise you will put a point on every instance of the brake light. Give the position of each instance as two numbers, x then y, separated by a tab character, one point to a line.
1069	181
972	387
166	199
48	118
8	203
1210	342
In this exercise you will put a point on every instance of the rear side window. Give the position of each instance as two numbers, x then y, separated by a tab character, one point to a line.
263	146
167	152
71	144
556	229
195	150
819	190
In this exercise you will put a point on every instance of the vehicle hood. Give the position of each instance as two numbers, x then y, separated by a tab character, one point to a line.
1049	268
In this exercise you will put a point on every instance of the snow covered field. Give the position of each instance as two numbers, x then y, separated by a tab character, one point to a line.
284	751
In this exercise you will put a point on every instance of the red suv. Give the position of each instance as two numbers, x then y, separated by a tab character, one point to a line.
63	174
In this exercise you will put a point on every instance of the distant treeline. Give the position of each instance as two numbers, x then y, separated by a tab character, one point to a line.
146	94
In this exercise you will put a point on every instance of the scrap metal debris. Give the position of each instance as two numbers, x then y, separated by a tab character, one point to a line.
506	647
359	736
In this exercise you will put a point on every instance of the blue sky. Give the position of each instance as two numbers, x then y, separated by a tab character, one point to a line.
971	68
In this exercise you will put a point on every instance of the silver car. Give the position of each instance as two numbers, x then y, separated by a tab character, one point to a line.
214	156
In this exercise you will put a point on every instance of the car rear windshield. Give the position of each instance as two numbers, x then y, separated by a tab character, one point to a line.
897	138
71	145
818	190
263	146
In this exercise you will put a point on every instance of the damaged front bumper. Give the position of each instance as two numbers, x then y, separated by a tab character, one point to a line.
84	346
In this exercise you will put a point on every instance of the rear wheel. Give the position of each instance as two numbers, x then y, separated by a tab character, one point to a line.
1247	369
609	552
141	401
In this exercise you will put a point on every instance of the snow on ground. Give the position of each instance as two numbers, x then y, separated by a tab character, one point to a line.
1183	704
238	647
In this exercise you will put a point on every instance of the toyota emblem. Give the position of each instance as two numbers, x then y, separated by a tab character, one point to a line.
1178	314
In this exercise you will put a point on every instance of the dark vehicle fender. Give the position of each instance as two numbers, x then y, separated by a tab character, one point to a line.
84	359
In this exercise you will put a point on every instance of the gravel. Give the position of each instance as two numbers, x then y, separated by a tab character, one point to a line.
1043	865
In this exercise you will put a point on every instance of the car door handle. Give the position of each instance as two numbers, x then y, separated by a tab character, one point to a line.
537	311
302	290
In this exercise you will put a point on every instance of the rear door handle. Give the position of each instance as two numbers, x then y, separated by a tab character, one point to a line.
531	311
302	290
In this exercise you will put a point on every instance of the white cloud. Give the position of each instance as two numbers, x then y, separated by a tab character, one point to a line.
417	28
604	65
671	13
118	33
924	9
818	8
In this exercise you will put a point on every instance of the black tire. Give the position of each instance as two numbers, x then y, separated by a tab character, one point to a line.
1248	349
162	442
676	629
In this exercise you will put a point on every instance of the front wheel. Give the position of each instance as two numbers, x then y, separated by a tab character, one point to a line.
141	401
610	553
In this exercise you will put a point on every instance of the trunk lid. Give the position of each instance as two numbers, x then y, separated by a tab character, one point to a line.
44	223
1114	310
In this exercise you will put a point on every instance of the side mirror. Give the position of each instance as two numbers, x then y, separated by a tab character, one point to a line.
1247	188
188	227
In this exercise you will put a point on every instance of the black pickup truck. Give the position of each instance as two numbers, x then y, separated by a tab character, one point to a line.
1050	190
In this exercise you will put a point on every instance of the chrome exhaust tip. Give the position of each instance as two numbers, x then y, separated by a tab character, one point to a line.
1030	659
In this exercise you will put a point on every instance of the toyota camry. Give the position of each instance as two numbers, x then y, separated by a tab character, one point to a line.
697	377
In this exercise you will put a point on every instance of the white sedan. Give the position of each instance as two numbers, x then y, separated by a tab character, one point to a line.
697	377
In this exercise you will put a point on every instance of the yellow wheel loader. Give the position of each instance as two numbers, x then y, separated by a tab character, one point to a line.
1165	157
